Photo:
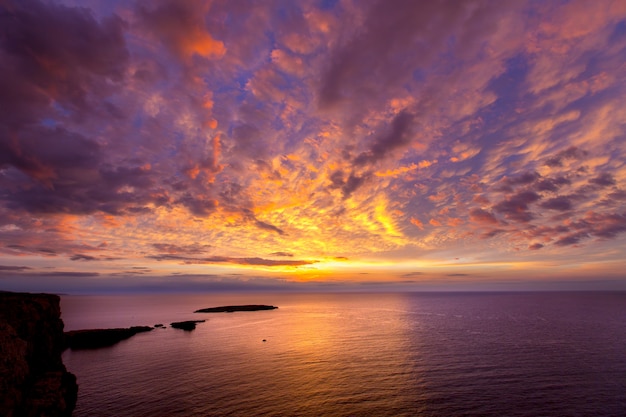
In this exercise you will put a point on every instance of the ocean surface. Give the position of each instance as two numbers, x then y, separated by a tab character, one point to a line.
412	354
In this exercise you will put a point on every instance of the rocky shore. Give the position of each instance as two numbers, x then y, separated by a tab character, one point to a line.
97	338
33	380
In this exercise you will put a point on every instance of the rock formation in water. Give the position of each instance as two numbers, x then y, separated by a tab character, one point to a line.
98	338
33	379
231	309
188	325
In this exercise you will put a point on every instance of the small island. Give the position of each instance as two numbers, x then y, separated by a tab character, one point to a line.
98	338
188	325
231	309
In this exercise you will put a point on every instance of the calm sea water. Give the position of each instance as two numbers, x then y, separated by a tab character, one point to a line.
488	354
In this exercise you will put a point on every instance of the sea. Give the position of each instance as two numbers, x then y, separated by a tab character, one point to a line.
355	354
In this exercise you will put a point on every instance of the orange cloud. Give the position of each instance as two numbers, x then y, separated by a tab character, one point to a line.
417	223
181	26
201	43
435	222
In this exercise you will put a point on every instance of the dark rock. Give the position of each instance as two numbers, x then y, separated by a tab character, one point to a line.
98	338
33	379
186	325
230	309
158	325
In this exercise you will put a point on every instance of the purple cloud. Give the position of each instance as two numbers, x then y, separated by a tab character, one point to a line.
285	254
482	216
193	249
560	203
571	153
516	207
232	260
398	136
603	180
571	239
9	268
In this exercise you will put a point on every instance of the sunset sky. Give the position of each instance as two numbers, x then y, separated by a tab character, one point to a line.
312	144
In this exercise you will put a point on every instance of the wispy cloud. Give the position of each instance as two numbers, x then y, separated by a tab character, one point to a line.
231	260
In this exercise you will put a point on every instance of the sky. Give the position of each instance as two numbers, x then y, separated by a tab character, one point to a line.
393	144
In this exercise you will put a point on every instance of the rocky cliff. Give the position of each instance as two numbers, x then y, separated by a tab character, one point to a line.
33	379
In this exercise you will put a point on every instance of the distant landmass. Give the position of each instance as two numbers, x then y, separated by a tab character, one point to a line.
231	309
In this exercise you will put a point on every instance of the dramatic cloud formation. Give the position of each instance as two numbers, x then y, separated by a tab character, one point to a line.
312	140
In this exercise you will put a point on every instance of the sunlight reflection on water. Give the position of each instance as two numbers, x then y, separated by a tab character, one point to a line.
357	354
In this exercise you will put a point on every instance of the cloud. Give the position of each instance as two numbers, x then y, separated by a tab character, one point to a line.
581	228
10	268
353	183
193	249
419	129
508	184
412	274
33	250
491	233
374	58
89	258
198	205
48	160
270	227
516	207
606	225
397	137
60	274
286	254
417	223
560	203
80	257
180	25
571	239
62	69
84	191
53	53
232	260
551	184
603	180
482	216
571	153
350	184
616	196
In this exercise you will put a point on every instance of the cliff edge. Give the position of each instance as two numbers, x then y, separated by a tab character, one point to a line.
33	379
